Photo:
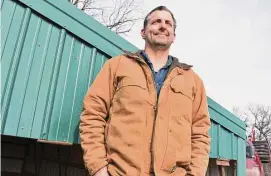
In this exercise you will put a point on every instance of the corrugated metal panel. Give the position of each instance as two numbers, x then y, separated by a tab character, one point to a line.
228	136
221	116
80	24
224	142
46	73
241	155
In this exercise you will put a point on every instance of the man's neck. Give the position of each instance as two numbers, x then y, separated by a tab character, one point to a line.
158	58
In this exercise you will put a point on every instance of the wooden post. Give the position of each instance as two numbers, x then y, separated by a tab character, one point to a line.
221	166
234	168
221	170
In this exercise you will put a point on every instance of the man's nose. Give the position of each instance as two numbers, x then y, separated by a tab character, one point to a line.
162	26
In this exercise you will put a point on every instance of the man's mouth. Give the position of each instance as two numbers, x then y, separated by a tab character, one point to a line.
158	34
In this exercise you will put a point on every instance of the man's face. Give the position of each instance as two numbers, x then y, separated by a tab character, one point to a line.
159	31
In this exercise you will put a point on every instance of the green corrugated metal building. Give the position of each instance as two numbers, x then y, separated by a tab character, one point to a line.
50	54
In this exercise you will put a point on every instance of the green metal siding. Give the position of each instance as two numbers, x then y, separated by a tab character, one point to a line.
225	132
50	55
241	161
46	71
228	136
224	143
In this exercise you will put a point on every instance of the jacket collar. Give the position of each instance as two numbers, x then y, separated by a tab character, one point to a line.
137	56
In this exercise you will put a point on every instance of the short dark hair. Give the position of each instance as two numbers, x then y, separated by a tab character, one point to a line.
161	8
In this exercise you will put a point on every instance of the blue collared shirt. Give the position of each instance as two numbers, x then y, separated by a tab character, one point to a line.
159	76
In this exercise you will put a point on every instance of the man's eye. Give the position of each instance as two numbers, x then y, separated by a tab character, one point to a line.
170	24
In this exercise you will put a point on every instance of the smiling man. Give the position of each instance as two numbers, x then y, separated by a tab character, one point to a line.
146	113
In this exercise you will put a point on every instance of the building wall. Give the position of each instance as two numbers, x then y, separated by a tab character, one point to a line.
227	136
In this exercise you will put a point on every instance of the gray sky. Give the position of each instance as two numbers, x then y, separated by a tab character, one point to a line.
229	44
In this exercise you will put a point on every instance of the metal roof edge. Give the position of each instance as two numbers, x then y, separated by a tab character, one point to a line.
225	113
74	21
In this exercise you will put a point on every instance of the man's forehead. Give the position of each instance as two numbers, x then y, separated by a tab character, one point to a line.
160	14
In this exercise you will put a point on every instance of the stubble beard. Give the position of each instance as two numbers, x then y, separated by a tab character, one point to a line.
160	45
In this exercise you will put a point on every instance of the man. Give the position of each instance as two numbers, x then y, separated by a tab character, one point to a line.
146	113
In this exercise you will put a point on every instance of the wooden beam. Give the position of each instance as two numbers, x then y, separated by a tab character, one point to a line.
221	162
54	142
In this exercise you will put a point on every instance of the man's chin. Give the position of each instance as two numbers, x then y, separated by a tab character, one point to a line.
162	45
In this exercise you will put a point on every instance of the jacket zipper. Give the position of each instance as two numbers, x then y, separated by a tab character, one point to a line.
155	116
155	109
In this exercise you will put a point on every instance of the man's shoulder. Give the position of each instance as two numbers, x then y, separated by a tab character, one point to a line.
124	58
119	62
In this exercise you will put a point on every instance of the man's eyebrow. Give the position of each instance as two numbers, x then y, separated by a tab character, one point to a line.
169	21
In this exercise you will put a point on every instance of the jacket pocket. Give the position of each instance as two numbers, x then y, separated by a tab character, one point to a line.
183	156
169	162
127	82
181	86
176	158
178	150
130	91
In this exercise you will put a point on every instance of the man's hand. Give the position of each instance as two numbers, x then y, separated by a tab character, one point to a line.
102	172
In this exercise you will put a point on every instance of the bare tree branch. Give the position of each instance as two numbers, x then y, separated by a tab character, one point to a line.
75	2
241	114
120	17
259	116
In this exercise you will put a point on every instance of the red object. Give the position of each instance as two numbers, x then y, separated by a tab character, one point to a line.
253	164
257	158
258	161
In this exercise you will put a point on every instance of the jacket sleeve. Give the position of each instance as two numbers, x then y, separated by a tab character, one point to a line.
96	106
200	140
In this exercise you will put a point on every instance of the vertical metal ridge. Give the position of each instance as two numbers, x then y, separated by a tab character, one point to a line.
219	140
8	29
232	145
94	53
90	72
11	78
211	135
2	2
28	69
75	87
103	60
43	58
65	85
53	84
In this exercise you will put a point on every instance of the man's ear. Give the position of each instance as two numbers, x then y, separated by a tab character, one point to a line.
174	37
143	33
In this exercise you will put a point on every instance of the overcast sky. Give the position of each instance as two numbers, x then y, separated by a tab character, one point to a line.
227	41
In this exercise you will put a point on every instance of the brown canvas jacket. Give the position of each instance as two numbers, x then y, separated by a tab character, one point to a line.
126	127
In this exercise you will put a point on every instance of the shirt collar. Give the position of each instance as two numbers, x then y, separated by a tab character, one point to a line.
147	59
